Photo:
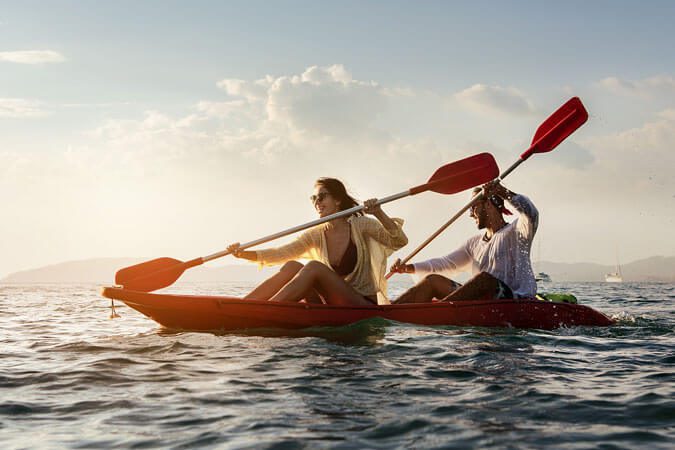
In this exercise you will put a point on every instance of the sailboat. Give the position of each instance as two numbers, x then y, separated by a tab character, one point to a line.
615	277
541	276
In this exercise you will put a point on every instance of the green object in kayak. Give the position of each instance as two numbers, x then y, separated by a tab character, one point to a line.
557	298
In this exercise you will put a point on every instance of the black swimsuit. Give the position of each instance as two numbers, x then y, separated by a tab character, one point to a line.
348	261
347	265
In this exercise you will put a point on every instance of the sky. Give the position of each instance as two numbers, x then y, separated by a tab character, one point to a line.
166	128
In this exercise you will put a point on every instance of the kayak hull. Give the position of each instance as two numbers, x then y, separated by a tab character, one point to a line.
210	313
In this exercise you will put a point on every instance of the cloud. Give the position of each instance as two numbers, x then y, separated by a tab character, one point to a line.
96	105
13	164
220	109
495	99
321	101
325	101
321	118
573	156
641	157
253	91
19	108
668	114
32	57
647	87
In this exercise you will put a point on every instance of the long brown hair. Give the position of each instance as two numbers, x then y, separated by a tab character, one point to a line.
338	191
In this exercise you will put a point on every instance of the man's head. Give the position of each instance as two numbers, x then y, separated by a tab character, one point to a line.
487	212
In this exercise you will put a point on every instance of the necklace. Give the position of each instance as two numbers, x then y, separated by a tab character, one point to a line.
487	238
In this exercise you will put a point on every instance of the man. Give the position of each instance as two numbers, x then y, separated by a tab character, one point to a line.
499	258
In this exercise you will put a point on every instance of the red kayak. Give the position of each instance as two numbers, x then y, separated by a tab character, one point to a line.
210	313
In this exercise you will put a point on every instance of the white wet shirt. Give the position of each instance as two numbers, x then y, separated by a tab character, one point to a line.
505	256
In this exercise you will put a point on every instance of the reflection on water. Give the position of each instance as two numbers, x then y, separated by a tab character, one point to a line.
71	377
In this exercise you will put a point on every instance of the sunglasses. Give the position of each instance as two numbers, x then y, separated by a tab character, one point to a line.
320	196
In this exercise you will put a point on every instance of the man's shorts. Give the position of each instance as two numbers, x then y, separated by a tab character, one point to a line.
503	290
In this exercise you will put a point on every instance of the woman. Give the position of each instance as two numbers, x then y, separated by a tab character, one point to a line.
348	255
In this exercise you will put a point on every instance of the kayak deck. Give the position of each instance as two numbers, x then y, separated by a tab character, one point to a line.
210	313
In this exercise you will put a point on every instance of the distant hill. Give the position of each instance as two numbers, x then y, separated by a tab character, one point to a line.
102	271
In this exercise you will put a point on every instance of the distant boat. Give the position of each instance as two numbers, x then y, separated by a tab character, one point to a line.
615	277
543	277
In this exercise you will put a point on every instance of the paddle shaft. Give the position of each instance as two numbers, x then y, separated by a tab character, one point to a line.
344	213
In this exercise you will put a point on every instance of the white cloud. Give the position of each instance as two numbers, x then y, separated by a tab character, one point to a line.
495	99
220	109
253	91
293	128
647	87
571	155
32	57
668	114
21	108
325	101
96	105
12	164
321	101
641	157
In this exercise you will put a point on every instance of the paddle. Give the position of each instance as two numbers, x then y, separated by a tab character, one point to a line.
448	179
563	122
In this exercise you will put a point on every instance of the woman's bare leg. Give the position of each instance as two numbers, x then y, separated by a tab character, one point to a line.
317	276
271	286
481	287
432	286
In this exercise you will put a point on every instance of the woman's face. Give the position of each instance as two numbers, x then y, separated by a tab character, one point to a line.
323	201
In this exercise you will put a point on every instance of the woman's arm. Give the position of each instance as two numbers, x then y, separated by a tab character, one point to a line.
371	207
388	231
295	249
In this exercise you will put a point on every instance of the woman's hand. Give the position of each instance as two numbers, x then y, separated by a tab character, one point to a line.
235	250
370	206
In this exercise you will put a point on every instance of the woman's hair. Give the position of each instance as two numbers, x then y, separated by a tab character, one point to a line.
338	191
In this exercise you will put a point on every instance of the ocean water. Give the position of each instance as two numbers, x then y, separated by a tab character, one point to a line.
71	377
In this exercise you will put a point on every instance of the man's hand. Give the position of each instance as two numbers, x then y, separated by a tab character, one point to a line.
398	267
495	188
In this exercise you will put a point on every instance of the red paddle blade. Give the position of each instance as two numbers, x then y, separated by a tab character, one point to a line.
461	175
565	121
150	275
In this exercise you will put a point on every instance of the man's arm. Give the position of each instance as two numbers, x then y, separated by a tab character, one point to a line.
450	263
529	215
